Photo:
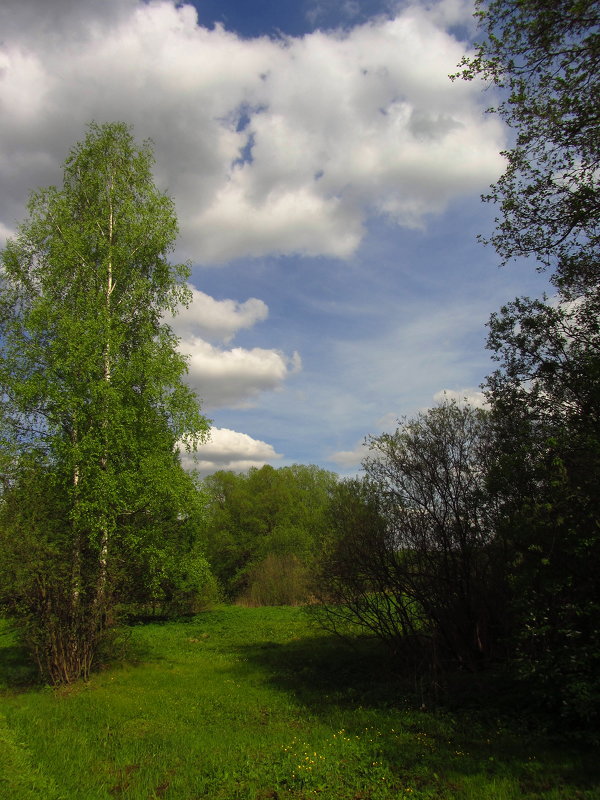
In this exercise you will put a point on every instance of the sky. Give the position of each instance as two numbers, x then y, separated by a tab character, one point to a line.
327	178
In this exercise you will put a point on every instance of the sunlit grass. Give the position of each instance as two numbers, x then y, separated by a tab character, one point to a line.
254	703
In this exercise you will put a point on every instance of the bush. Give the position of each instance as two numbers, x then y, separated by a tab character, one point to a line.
413	553
277	580
169	583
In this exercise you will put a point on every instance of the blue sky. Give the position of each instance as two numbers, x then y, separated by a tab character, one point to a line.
289	17
327	177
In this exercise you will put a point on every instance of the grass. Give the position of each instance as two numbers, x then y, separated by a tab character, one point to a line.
254	704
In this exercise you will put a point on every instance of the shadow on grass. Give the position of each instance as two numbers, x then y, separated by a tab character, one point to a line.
132	619
325	670
477	712
17	670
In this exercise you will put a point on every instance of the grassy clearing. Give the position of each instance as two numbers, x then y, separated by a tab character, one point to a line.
252	704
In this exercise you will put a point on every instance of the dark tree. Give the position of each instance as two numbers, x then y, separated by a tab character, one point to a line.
546	395
414	551
545	58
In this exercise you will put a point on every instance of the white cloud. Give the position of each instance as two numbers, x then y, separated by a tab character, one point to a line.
216	319
268	146
235	377
350	459
452	12
230	450
224	377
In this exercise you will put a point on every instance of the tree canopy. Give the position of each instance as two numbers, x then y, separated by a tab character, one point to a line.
93	399
545	59
265	528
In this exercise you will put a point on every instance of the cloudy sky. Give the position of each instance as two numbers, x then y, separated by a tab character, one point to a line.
327	176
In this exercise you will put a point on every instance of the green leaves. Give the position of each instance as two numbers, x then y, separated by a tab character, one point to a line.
266	524
545	58
89	372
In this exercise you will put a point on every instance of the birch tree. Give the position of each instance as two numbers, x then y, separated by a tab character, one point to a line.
94	404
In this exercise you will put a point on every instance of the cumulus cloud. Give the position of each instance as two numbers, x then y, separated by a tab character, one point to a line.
268	146
228	377
350	459
216	319
230	450
452	12
235	377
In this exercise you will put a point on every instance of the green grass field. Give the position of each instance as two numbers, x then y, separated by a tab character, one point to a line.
255	703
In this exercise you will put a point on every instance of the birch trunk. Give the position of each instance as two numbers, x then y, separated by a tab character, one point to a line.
76	570
106	374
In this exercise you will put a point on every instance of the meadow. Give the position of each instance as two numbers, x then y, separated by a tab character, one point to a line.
256	704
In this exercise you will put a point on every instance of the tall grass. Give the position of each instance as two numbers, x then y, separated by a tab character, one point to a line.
242	703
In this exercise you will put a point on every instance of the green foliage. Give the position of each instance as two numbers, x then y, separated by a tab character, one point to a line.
168	581
545	57
93	398
264	530
547	394
278	580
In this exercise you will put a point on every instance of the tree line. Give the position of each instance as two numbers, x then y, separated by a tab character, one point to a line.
472	539
474	536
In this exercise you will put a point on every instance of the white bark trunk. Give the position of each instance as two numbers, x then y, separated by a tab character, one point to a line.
106	370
